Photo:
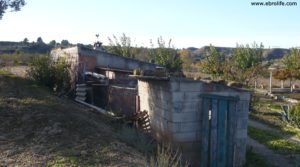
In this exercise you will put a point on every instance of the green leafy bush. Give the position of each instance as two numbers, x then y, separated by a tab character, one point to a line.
53	74
294	115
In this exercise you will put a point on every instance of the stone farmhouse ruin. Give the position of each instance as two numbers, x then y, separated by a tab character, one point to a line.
206	121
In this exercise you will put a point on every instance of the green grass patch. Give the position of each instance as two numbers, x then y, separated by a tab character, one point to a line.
291	131
62	161
255	160
6	73
273	141
270	118
275	107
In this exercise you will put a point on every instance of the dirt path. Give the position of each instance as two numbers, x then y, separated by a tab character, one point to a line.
271	157
262	126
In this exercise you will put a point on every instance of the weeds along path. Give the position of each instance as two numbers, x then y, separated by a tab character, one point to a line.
276	150
262	126
272	158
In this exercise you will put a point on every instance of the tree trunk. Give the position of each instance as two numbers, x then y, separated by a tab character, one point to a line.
281	84
291	85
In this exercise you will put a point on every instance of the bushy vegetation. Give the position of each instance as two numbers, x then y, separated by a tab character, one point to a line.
159	155
165	156
244	65
167	56
161	53
53	74
294	115
121	46
213	63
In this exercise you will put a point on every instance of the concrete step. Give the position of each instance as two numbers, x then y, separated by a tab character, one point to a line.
81	89
80	85
80	98
81	93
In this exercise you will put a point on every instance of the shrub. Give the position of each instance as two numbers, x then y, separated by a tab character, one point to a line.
294	115
165	156
54	75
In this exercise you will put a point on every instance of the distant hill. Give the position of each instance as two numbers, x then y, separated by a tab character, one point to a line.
29	47
196	53
269	54
275	53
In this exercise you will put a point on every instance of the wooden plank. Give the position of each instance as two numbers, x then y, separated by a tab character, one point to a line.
231	129
213	134
221	143
205	131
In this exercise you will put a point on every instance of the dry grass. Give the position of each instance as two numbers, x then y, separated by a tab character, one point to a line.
39	129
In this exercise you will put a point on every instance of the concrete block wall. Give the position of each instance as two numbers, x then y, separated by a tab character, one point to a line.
155	98
175	113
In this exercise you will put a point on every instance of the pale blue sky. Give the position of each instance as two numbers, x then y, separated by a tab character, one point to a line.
188	22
